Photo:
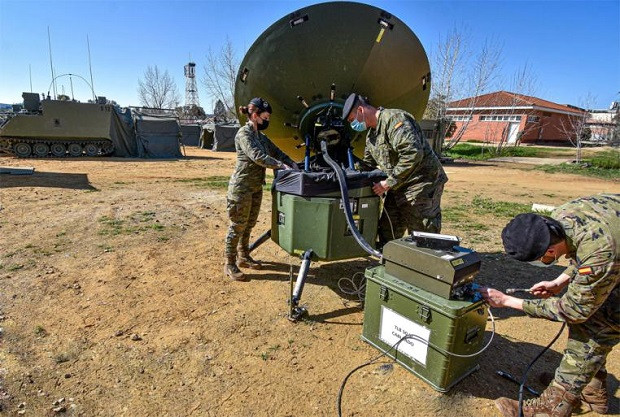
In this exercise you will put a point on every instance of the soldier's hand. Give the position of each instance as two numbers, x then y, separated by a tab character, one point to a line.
380	188
494	297
545	289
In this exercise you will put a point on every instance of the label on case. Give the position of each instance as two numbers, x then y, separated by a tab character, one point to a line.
394	327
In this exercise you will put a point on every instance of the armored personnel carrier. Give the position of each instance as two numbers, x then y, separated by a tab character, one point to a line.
58	128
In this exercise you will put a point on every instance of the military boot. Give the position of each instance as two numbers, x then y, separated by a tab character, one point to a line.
246	261
595	393
555	401
233	272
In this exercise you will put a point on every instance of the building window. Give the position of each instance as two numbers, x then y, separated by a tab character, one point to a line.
459	118
533	119
500	118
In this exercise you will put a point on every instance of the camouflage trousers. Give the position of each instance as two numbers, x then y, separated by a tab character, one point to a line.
588	345
243	215
403	211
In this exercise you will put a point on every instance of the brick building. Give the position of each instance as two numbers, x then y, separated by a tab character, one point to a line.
512	117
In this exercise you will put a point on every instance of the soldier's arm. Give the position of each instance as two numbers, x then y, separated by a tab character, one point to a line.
257	155
597	276
278	154
367	163
406	140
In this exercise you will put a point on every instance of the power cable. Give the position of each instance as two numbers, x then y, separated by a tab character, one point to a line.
524	379
419	339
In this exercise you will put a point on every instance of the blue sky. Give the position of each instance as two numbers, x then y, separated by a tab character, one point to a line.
572	47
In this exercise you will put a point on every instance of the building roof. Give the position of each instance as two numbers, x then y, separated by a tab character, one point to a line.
508	100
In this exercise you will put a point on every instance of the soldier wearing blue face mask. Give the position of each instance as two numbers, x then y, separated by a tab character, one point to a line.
415	181
587	231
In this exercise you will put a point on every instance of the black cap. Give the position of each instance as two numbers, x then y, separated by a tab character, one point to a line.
353	100
261	104
526	237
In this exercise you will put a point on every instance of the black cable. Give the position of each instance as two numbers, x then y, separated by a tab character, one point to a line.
395	346
342	182
524	379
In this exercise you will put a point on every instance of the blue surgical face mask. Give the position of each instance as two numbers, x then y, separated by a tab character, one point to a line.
358	126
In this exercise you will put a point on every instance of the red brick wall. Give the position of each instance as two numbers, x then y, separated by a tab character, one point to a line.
547	128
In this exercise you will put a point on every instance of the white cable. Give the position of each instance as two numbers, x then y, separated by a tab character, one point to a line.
356	289
387	215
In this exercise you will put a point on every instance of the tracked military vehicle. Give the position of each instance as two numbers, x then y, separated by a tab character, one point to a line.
58	128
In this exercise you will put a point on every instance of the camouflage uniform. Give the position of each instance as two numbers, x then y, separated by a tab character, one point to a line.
415	175
591	304
255	153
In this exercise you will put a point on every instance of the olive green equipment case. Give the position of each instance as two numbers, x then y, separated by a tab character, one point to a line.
318	223
395	308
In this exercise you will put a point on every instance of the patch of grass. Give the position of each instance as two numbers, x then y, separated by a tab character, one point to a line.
62	357
110	226
105	247
61	234
214	181
15	267
133	225
270	351
484	152
498	208
588	171
606	160
157	226
163	238
40	331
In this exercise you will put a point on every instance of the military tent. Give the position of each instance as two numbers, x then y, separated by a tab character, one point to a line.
206	137
224	138
122	134
191	135
157	137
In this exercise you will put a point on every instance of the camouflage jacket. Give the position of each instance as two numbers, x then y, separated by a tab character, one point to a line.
397	146
255	153
592	226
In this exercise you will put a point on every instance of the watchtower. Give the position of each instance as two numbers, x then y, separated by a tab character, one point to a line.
191	91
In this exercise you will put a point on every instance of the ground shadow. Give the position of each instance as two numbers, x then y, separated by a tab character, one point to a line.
47	179
466	163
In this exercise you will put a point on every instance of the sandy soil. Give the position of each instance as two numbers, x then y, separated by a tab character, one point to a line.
113	301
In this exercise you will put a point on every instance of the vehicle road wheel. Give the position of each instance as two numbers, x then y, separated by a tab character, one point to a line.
40	149
75	149
22	150
91	149
107	148
58	149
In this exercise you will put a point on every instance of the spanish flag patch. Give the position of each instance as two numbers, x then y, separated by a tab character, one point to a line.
585	270
397	125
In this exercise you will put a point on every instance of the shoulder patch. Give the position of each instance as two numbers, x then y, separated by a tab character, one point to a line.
397	125
585	270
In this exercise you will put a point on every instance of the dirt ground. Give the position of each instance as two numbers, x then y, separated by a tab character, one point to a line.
113	301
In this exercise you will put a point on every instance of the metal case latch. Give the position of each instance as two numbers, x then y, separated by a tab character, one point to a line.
383	293
424	312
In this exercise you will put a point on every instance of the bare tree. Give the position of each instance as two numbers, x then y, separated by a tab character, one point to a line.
482	75
220	76
158	90
575	127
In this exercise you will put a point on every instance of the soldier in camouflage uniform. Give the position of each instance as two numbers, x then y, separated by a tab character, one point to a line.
255	153
587	231
415	181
